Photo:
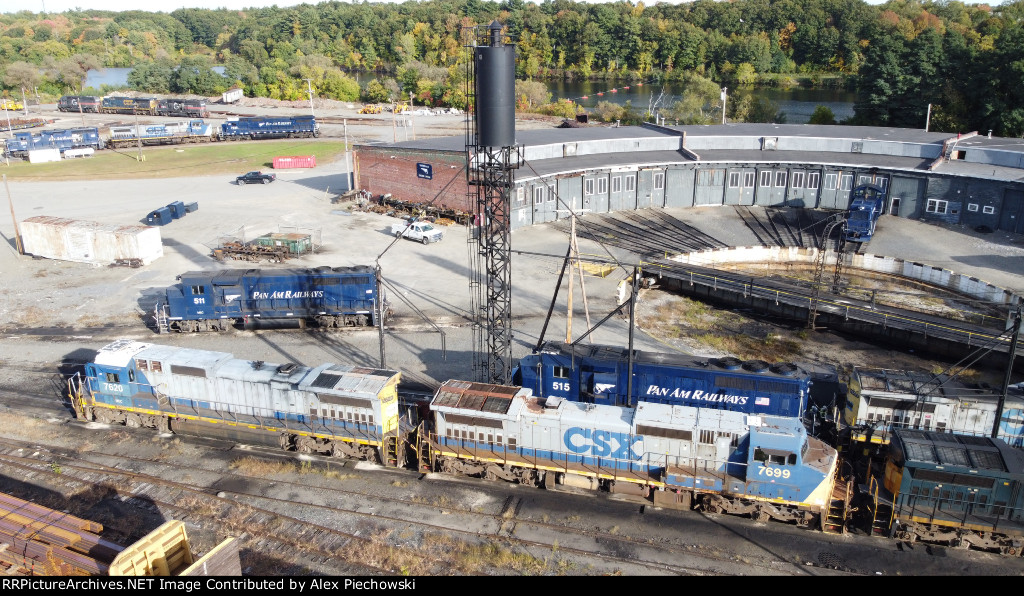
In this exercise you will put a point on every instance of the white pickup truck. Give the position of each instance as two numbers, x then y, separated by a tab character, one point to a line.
418	230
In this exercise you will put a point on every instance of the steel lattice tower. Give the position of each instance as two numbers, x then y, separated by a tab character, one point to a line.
491	155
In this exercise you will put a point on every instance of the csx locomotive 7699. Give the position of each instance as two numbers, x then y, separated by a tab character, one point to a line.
327	296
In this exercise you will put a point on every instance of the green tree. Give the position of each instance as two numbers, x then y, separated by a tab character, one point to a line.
822	115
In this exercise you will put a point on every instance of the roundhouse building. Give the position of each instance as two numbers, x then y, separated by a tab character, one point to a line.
966	179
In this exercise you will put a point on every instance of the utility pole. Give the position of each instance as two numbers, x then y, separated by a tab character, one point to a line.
138	133
309	91
1009	371
724	89
17	233
348	157
928	118
24	102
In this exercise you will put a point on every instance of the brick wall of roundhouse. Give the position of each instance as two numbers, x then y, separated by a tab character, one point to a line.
379	174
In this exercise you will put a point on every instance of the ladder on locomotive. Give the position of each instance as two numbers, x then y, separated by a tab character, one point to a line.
838	509
880	509
393	456
160	316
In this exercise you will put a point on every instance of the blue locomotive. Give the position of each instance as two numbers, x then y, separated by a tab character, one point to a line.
951	489
866	205
331	409
599	374
214	300
168	133
255	128
677	456
62	139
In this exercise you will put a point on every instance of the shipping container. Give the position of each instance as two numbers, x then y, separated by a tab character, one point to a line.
231	96
160	217
295	161
43	155
89	241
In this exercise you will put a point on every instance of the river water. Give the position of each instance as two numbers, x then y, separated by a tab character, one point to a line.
797	103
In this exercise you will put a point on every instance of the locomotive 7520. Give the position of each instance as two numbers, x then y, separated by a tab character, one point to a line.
215	300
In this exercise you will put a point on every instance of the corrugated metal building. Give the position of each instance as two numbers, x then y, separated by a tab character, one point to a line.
90	242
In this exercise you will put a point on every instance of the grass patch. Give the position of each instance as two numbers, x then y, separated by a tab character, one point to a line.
174	161
253	466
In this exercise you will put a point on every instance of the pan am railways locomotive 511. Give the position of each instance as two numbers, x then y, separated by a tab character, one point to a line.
331	409
214	300
599	374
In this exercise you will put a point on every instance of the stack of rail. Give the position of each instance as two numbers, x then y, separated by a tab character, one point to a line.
40	541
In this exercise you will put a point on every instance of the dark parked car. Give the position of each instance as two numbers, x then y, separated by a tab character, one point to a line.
255	178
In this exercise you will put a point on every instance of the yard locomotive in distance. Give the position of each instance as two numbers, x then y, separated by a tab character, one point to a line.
330	297
600	375
255	128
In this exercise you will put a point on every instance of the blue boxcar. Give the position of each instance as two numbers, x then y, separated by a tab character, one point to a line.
722	461
214	300
269	128
598	374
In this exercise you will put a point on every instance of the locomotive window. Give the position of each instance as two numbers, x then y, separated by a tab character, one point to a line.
497	439
560	372
141	364
914	490
707	437
759	454
155	366
791	460
448	432
511	442
323	412
131	376
198	290
312	413
777	459
113	378
472	436
370	418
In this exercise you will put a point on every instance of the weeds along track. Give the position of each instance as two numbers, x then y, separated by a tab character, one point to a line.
321	522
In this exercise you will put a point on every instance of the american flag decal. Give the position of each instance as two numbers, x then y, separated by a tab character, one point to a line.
761	401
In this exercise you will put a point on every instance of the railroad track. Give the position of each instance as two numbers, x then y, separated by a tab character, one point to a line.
313	529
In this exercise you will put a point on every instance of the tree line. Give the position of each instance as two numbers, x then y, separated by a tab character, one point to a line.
900	57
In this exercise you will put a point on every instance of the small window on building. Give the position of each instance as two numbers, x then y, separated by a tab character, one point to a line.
812	180
972	207
631	183
602	185
659	181
552	195
766	178
588	186
864	180
936	206
748	179
617	184
734	179
798	180
846	182
538	195
831	181
988	210
520	196
780	179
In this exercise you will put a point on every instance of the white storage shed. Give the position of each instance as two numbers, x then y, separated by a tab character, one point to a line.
90	241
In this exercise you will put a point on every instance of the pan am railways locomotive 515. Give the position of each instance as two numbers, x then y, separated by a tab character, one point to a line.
677	456
215	300
600	375
331	409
